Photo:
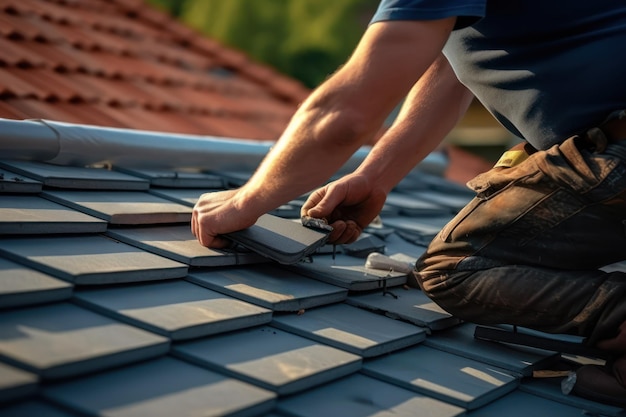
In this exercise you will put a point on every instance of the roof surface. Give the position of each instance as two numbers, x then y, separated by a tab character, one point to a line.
110	307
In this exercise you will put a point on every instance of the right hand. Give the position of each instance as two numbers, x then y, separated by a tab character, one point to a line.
348	205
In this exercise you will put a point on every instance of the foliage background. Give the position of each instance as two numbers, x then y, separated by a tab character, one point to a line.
306	39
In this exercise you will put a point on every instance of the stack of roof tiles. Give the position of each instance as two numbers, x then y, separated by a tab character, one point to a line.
110	307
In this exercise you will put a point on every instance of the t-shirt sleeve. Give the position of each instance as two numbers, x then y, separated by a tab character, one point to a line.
467	11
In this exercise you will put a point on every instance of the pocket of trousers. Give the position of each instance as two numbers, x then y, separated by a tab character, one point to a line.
490	185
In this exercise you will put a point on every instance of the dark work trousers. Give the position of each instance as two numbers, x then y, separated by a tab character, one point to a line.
526	250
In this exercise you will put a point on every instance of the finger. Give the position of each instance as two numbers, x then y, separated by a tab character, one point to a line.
220	242
311	202
329	201
322	209
350	233
194	224
338	228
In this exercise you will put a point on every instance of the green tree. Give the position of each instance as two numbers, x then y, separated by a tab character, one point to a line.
307	39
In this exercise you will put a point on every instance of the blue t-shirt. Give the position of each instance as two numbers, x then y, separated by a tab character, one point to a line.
546	70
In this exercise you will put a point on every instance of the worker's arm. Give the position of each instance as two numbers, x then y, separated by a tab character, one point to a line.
338	117
433	107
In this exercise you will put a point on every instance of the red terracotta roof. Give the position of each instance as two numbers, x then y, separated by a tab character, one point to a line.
121	63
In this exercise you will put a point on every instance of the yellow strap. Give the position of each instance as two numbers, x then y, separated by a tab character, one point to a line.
511	158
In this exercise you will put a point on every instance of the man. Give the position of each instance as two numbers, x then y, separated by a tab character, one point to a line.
527	249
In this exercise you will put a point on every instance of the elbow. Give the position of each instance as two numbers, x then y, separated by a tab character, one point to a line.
339	124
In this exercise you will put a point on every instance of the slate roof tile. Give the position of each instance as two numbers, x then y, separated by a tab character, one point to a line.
90	259
123	207
35	408
282	362
179	244
16	383
517	359
162	387
520	404
76	177
92	318
176	309
348	272
22	286
466	383
63	340
269	286
10	182
361	396
550	388
407	304
352	329
34	215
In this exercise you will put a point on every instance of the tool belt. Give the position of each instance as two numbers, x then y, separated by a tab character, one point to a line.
613	130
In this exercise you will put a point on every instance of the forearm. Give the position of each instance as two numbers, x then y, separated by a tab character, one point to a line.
317	142
433	107
344	112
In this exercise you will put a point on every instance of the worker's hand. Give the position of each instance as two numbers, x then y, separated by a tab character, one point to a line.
348	204
218	213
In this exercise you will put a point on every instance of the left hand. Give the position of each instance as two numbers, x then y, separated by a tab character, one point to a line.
218	213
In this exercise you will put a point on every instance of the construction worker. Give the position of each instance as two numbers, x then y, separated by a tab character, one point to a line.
527	249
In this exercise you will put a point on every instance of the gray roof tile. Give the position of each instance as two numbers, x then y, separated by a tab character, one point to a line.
76	177
21	286
401	248
419	230
175	179
362	396
176	309
271	358
90	259
520	404
409	304
453	201
26	214
352	329
460	341
269	286
35	408
282	240
550	388
63	340
287	211
178	243
450	378
410	206
16	383
185	196
161	388
11	182
348	272
123	207
364	245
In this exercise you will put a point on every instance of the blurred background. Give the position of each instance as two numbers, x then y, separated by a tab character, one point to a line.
308	40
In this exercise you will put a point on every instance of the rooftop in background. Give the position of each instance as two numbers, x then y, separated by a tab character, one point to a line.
121	63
